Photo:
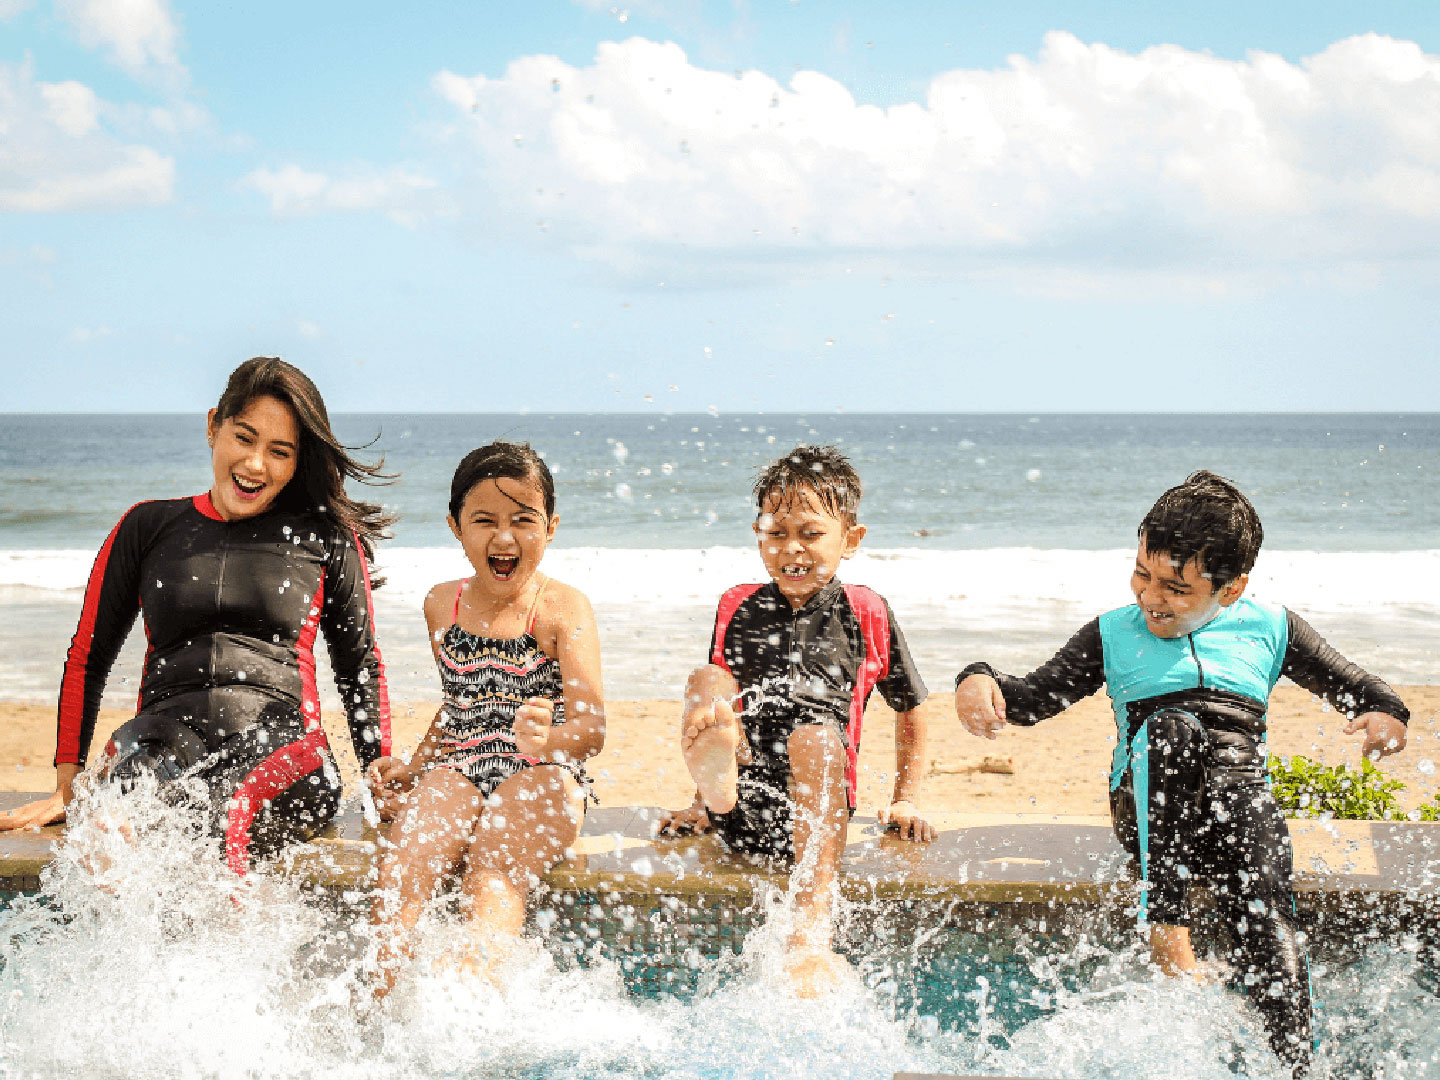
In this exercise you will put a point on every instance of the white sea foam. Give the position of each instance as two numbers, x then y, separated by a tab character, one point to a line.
1011	606
983	578
165	965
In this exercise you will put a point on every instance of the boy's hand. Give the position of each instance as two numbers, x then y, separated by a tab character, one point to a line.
390	781
693	819
980	705
903	818
532	726
1384	734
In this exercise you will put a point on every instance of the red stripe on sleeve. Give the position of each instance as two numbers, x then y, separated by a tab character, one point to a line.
71	718
382	691
305	657
729	604
869	610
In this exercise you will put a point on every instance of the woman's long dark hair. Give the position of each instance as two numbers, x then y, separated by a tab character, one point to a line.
323	462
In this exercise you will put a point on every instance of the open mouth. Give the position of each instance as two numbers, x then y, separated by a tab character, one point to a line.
503	566
792	572
247	488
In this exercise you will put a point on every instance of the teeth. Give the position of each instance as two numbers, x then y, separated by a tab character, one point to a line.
249	487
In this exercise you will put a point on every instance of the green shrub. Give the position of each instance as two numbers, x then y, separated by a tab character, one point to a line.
1307	789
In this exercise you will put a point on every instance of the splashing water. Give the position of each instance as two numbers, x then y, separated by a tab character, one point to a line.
147	958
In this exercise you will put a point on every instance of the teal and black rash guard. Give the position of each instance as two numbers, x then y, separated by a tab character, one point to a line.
1188	791
1223	671
231	612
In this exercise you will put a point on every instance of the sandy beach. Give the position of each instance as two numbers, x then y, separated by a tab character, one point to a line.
1057	767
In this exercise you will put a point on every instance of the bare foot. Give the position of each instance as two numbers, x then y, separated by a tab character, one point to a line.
709	740
815	970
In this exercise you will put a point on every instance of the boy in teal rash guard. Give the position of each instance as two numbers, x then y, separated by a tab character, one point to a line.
1189	668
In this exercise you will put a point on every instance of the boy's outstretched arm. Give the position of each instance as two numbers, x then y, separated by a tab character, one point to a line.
910	731
986	700
1369	702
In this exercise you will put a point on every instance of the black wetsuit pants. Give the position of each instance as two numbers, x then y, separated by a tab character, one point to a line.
1212	818
268	782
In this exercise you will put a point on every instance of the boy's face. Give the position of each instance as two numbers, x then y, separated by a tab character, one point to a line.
1177	600
801	544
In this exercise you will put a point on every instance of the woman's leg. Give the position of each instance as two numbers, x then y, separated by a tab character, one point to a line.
527	824
427	843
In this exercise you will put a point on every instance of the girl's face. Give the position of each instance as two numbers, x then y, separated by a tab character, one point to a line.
504	531
253	455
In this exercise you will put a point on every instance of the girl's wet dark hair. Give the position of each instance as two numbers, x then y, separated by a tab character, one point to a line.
819	471
1208	519
322	462
502	460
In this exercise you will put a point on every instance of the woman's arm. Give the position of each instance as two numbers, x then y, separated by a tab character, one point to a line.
348	620
391	778
112	600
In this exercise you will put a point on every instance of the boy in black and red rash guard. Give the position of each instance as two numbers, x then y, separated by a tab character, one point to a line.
797	658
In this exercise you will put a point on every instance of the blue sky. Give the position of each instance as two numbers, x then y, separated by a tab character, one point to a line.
783	205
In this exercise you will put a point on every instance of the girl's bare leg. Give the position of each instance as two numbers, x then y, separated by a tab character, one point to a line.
821	815
427	843
528	823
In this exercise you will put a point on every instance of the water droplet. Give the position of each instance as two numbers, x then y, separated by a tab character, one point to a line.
1032	475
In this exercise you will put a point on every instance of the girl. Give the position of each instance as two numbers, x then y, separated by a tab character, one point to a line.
496	789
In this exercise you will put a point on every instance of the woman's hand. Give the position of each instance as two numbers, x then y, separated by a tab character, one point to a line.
390	781
980	706
47	811
693	819
1384	734
32	815
532	726
906	820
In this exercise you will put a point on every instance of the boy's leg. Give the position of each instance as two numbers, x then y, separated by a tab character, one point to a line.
1176	748
1252	861
426	843
820	816
710	737
528	823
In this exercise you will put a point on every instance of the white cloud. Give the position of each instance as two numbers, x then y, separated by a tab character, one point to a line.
140	35
84	335
399	193
1082	153
308	330
11	8
58	154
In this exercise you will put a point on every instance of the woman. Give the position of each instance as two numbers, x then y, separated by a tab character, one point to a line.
234	585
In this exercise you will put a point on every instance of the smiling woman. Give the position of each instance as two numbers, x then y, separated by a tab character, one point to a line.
234	585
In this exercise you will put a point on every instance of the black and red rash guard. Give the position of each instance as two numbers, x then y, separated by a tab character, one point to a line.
815	664
231	610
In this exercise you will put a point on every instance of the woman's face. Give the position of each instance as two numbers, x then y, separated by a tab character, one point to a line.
254	454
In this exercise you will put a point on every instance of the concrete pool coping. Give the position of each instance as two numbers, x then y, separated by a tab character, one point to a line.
977	858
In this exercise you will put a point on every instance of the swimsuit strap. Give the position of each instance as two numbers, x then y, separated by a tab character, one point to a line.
534	603
455	616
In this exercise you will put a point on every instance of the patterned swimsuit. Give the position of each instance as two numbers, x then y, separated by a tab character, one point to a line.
485	680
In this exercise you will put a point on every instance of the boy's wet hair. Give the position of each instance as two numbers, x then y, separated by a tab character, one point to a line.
502	460
819	472
1207	519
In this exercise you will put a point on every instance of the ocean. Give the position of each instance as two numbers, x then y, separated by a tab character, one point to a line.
993	536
